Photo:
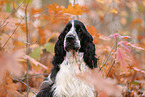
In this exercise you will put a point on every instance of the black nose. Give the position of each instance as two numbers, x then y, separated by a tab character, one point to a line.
70	38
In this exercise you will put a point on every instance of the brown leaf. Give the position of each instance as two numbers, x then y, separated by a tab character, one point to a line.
8	48
75	10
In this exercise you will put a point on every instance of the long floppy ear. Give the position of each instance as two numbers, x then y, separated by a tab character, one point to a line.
88	47
59	55
89	55
59	50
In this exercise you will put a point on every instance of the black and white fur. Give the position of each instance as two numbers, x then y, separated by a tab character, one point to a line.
74	53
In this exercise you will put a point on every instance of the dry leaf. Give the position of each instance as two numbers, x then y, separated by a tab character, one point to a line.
114	11
8	48
34	61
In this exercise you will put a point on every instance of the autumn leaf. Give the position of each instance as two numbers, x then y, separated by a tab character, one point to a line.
37	51
135	46
35	62
36	11
94	33
8	45
114	11
41	33
123	58
103	94
115	35
136	69
101	1
54	8
135	22
9	68
75	10
125	45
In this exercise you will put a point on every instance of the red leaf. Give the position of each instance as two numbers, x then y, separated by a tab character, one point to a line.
136	69
124	44
115	35
135	46
123	58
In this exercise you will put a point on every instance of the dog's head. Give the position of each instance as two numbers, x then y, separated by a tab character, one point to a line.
75	37
75	34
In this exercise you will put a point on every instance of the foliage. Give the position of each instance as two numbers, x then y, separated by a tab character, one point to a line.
117	28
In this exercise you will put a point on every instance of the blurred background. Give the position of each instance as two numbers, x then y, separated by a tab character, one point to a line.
29	30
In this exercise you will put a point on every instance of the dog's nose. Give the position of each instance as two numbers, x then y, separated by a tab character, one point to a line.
70	38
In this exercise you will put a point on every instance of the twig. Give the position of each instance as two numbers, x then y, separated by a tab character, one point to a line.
111	68
3	25
4	20
108	57
26	85
13	5
115	57
12	34
34	61
27	49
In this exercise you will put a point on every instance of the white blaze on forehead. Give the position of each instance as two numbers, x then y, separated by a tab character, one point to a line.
74	33
72	24
72	30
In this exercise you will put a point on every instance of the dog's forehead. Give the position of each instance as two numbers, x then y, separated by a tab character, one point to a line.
75	23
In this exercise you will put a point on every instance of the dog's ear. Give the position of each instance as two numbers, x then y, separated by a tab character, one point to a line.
59	50
88	47
89	55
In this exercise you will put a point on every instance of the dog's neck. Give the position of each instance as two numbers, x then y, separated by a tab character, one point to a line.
67	84
75	60
74	56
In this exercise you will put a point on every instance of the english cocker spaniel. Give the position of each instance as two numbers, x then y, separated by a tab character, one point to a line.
74	53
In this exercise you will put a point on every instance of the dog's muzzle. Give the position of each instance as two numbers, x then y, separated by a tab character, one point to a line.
71	43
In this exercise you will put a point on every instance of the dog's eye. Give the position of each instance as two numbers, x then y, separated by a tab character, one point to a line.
80	30
66	30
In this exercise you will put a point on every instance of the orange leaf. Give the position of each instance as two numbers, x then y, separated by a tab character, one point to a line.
138	70
136	21
42	35
75	10
125	45
54	8
92	31
114	11
123	58
103	94
135	46
36	11
100	1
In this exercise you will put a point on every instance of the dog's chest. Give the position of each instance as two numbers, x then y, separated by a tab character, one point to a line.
67	84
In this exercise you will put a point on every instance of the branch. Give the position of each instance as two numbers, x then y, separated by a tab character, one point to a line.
4	20
26	85
27	48
12	34
34	61
108	57
115	57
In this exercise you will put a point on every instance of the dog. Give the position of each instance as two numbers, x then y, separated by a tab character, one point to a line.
74	53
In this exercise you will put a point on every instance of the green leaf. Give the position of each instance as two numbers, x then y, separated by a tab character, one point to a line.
134	82
49	47
8	7
36	53
28	1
